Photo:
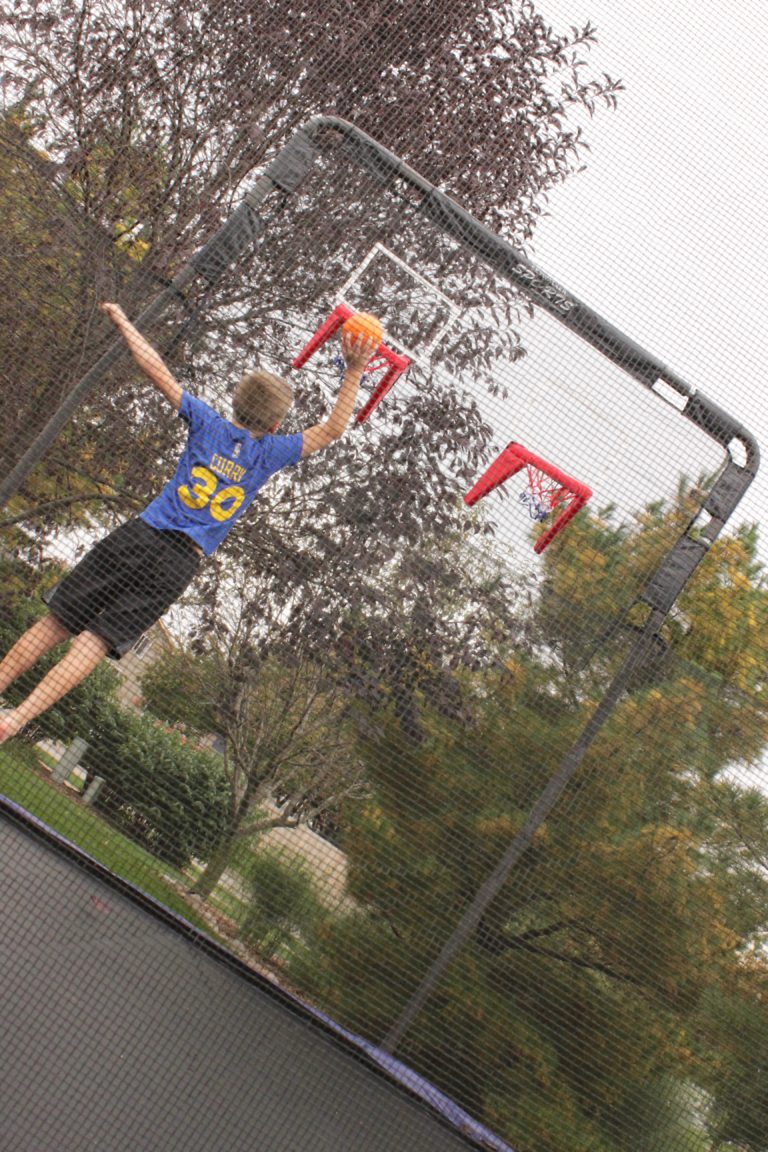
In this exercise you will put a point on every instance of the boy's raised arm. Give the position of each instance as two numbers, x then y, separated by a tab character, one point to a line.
357	352
147	357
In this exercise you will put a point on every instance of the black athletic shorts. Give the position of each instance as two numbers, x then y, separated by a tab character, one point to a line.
124	584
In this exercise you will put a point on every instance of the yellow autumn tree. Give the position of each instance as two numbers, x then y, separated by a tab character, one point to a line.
587	1010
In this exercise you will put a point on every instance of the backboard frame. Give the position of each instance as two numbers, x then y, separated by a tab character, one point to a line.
418	355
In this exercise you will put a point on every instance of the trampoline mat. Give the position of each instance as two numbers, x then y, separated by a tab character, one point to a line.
120	1032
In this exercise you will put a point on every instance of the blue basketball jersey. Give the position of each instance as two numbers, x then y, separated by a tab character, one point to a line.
219	473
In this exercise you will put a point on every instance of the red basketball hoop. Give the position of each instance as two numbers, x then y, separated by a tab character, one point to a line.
393	363
550	491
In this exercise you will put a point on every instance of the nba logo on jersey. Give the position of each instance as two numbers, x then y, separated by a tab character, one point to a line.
237	448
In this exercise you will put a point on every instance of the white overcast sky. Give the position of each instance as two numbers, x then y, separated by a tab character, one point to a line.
666	232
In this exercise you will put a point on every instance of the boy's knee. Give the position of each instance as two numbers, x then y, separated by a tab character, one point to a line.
93	643
55	628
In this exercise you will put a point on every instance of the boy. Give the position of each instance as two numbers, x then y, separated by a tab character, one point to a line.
130	578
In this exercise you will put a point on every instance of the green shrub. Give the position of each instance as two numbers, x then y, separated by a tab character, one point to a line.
171	798
282	901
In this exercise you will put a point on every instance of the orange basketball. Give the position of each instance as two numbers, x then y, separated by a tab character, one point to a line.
363	324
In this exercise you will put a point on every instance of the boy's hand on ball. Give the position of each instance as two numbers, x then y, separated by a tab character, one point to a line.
357	349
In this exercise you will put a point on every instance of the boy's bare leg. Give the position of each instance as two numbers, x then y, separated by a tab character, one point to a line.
29	648
86	652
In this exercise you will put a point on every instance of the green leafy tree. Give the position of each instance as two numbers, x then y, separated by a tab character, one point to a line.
640	902
288	750
733	1037
55	264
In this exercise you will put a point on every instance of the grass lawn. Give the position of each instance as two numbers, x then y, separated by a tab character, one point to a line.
21	780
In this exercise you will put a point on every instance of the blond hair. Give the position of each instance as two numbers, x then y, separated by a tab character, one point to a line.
260	401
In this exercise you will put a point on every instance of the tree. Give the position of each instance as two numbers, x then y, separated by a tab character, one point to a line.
160	116
591	1009
283	660
289	754
54	266
733	1032
153	120
127	151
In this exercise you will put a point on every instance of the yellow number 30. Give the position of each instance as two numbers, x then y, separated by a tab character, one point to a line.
221	504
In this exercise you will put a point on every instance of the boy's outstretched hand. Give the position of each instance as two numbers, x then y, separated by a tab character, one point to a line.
147	358
357	350
114	311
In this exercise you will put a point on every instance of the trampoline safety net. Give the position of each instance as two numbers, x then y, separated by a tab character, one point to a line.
382	727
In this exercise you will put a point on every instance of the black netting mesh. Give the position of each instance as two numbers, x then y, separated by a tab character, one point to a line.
366	824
